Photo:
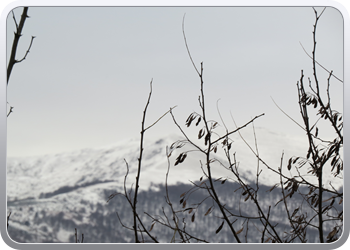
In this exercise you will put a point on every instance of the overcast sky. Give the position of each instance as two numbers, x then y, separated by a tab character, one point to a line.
86	79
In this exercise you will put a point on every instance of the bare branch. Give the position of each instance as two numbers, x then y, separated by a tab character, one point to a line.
18	34
188	51
160	118
320	64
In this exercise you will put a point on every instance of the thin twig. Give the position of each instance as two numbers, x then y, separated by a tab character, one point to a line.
320	64
160	118
188	51
139	162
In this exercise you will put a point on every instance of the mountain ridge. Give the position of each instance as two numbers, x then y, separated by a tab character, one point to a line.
50	195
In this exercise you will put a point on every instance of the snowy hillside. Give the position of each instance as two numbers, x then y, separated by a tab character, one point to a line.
50	195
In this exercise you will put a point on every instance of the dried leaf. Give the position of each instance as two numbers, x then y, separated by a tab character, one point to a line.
201	133
208	211
268	239
289	184
183	195
311	190
215	149
218	179
223	181
273	187
152	227
289	164
190	119
295	160
193	216
328	199
180	158
180	145
295	211
240	230
219	228
340	215
184	204
183	157
177	161
332	233
333	161
198	121
295	186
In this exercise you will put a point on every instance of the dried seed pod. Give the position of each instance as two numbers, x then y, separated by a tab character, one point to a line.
198	121
219	228
208	211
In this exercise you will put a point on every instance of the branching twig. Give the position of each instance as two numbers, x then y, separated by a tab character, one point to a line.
188	51
76	237
139	165
320	64
18	34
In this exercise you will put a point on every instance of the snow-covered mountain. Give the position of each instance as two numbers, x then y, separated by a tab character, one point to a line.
50	195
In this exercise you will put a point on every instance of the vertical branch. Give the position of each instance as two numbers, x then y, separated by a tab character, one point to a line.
316	162
327	114
139	164
319	170
76	237
18	34
208	138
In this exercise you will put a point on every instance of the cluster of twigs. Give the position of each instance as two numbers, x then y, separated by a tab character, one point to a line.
76	237
321	153
316	208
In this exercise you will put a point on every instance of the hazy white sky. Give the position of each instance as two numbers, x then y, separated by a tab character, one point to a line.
86	79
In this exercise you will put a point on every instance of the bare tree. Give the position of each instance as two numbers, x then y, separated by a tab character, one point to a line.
138	225
13	61
307	203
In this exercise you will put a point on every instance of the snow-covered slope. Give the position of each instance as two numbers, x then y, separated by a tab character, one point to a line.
45	176
49	195
42	176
